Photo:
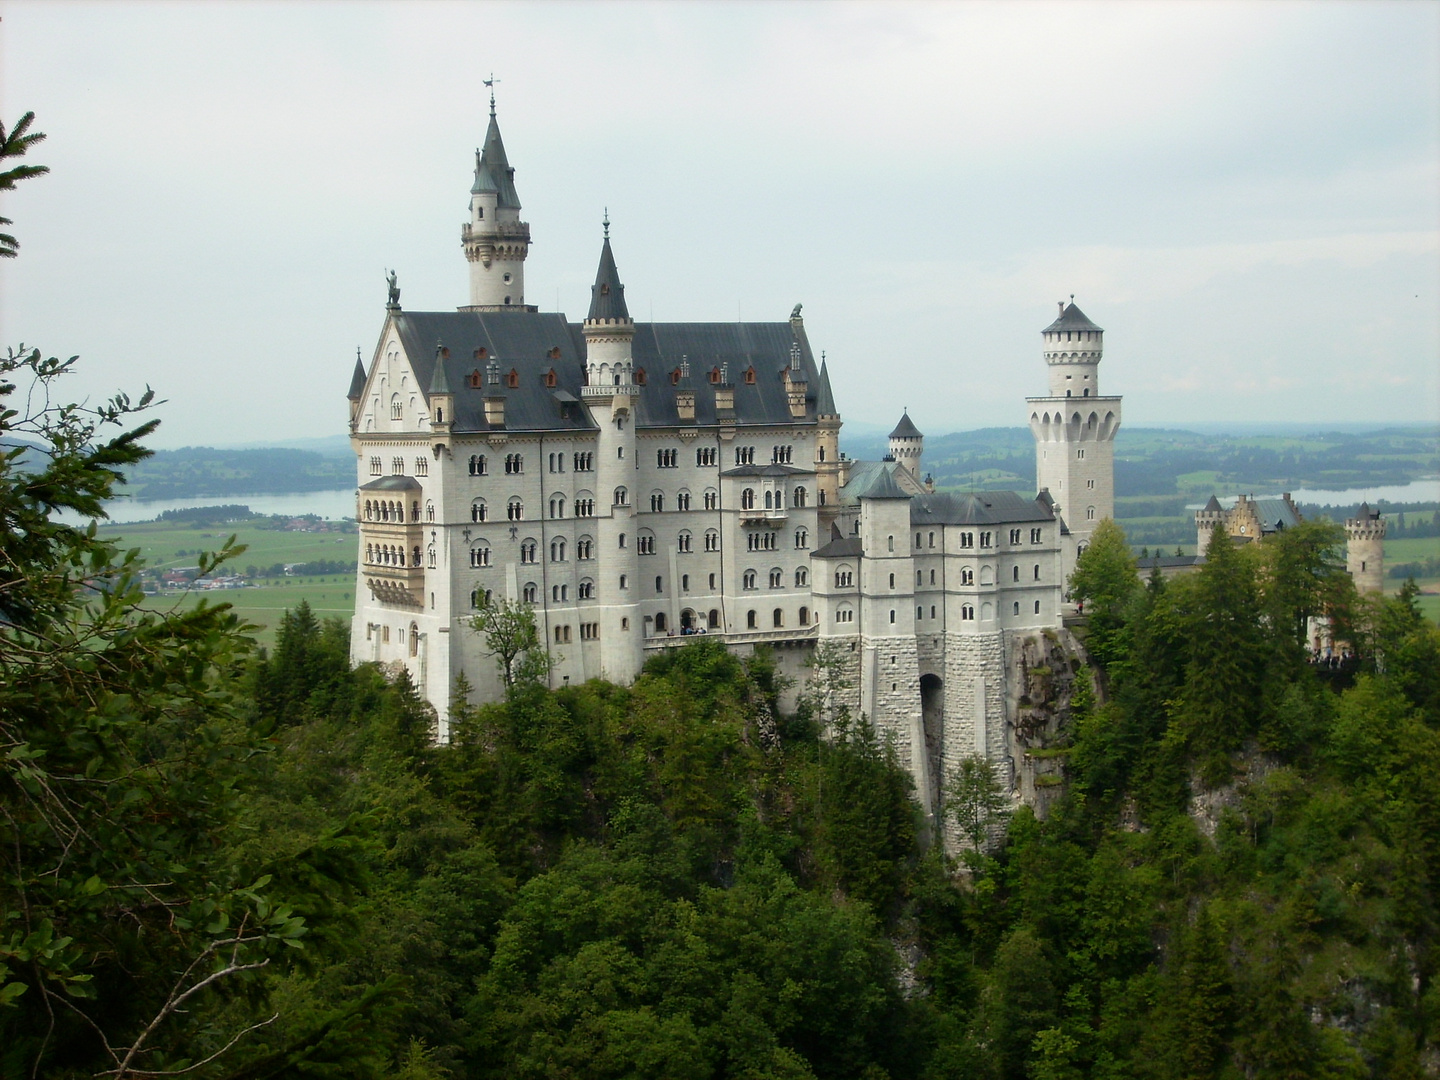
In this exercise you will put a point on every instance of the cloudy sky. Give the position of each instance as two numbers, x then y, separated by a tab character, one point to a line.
1246	196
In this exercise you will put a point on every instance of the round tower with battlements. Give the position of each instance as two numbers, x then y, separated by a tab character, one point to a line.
1365	549
1207	519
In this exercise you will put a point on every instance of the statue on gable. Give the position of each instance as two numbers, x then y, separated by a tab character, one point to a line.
394	289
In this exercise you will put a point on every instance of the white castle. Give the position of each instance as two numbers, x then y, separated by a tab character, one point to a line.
637	483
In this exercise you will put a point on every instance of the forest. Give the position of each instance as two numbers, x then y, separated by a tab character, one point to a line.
221	862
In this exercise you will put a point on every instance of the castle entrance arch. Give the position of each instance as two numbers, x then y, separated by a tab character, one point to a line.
687	621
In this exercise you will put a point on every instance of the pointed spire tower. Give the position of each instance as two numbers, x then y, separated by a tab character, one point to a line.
357	388
829	471
496	241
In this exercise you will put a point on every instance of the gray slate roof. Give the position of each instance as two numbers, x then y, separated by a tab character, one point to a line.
1275	514
825	398
439	382
493	171
1213	506
607	295
764	470
841	547
392	483
978	508
906	428
357	380
1072	318
522	341
883	486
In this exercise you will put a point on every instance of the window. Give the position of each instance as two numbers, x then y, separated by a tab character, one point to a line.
802	539
624	581
645	543
515	509
712	582
396	411
551	379
682	501
685	583
584	549
985	539
967	576
892	581
512	380
1017	607
586	589
890	543
589	631
430	557
639	376
777	579
622	540
1015	573
477	465
624	624
749	579
657	502
374	466
527	551
844	578
804	616
1037	607
529	592
802	577
781	455
1090	484
562	635
622	497
967	612
919	577
584	461
1080	455
683	542
777	618
919	613
557	463
917	540
892	619
801	497
744	455
1089	513
397	466
480	553
479	597
747	499
750	620
844	614
659	584
667	459
1034	536
422	467
559	593
750	376
705	456
557	506
557	550
585	507
712	540
712	499
1014	536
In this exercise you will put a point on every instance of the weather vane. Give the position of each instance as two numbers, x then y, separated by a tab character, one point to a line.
490	82
606	222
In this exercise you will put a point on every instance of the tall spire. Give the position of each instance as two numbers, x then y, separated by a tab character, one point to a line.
824	397
492	168
357	380
495	240
607	296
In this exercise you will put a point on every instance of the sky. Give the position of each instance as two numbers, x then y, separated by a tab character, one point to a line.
1246	196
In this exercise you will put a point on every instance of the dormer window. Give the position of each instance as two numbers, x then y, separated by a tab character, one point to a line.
675	377
513	379
555	352
604	289
551	379
476	379
750	376
507	300
639	376
481	353
715	375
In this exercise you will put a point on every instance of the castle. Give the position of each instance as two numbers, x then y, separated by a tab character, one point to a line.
636	483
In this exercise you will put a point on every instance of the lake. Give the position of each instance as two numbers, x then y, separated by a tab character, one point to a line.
336	503
1427	490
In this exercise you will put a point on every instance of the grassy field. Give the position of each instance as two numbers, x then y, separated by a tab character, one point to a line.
329	597
1403	551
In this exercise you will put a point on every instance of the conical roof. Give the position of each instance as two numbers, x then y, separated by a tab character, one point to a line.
1364	512
906	428
439	381
824	397
357	380
607	295
493	171
1071	318
1213	506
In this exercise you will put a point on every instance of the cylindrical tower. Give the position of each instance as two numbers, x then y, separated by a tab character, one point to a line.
496	241
907	445
1074	347
1207	519
1365	549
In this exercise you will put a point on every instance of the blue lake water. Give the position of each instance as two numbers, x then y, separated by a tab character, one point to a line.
1427	490
336	503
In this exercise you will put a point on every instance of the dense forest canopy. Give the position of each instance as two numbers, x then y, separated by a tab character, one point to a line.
221	863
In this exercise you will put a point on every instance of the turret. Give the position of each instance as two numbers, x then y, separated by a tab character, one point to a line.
496	241
1073	348
609	330
442	401
1365	549
1207	519
907	445
357	389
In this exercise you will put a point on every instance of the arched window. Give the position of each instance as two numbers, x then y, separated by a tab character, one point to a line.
477	465
844	614
800	496
747	499
1089	513
622	497
557	504
967	611
480	553
527	551
712	499
660	624
777	618
804	616
515	509
712	540
1015	574
749	579
890	543
967	576
682	500
1036	572
586	589
657	502
479	597
750	620
767	501
429	511
584	548
414	640
397	411
777	578
530	593
683	542
478	510
802	539
713	619
430	557
557	550
802	578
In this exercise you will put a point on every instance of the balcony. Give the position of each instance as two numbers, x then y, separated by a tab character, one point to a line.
402	586
756	516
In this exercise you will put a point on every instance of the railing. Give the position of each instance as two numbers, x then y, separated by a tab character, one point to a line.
739	637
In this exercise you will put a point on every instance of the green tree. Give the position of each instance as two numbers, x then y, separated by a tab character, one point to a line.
1105	580
977	800
511	637
17	143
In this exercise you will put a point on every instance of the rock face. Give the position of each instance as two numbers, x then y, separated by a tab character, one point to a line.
1042	682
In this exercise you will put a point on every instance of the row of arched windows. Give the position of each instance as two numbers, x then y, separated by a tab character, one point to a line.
391	555
391	510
